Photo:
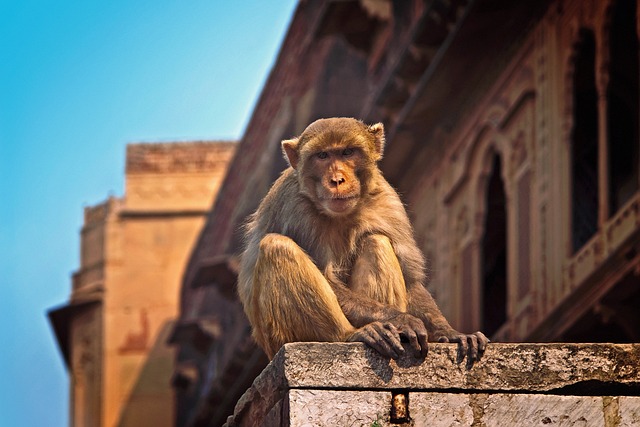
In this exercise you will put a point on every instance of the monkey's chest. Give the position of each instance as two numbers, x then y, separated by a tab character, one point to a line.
336	259
333	249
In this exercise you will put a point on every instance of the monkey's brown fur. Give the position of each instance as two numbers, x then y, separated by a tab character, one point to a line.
330	253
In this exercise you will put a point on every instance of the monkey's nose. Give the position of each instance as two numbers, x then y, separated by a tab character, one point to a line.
336	181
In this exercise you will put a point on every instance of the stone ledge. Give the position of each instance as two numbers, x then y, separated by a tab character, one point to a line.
526	377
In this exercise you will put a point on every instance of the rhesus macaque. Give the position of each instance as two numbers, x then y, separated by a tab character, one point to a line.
330	253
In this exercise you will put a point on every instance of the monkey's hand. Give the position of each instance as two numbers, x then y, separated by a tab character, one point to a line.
386	337
383	337
470	345
412	330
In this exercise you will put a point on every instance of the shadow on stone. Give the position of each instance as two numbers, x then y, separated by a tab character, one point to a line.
380	365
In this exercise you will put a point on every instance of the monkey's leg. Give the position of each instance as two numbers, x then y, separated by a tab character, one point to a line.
377	273
292	299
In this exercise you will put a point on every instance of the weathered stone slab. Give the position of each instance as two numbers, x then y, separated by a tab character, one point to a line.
531	367
346	384
629	410
440	409
338	408
541	410
448	409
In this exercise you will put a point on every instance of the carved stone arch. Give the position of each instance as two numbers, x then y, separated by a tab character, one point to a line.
478	166
486	131
490	231
494	120
482	169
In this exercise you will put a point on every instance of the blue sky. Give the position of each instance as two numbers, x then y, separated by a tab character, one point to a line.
78	81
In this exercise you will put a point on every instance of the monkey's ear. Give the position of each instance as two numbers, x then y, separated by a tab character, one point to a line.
290	150
377	131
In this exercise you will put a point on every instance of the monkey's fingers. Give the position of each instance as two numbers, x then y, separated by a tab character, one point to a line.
463	346
472	346
375	341
391	336
375	337
472	356
477	345
414	331
423	339
482	342
412	337
418	339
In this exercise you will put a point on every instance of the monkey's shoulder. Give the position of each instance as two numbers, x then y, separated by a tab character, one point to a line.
384	203
283	207
281	191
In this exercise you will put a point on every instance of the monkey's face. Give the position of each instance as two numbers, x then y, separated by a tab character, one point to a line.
332	181
335	160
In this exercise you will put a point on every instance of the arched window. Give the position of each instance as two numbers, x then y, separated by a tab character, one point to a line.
622	102
494	253
584	144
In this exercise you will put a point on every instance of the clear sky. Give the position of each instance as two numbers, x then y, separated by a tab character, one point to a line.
78	81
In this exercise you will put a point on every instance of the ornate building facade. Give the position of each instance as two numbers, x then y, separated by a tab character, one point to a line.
512	135
113	332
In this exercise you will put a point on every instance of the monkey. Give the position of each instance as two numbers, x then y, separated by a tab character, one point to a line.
330	253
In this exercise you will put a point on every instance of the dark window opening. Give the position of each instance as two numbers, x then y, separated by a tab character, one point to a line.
494	254
584	145
622	100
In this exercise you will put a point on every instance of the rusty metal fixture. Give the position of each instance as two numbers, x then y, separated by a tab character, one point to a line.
399	407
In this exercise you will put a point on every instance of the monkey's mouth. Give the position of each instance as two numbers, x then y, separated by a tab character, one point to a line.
340	204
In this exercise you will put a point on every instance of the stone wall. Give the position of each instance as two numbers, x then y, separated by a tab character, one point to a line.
319	384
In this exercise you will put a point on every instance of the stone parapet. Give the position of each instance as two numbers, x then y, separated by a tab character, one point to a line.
319	384
178	157
168	179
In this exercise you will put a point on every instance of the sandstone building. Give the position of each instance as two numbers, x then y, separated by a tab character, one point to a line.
512	135
113	331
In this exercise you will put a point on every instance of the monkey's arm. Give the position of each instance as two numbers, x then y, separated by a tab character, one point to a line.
422	305
360	309
379	325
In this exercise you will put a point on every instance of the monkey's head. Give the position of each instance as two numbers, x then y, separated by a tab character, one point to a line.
335	160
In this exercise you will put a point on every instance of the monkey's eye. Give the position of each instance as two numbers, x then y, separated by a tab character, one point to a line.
347	152
322	155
